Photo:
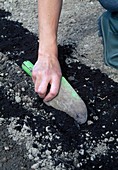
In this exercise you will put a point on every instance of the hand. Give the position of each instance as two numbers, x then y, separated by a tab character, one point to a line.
47	71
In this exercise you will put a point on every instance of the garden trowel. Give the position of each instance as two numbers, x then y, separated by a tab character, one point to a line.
67	99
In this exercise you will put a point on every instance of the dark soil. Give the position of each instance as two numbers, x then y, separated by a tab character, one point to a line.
99	92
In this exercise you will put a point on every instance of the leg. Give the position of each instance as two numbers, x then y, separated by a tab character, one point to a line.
108	27
110	5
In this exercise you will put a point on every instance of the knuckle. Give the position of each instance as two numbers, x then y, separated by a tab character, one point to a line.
36	73
53	93
46	73
58	75
41	93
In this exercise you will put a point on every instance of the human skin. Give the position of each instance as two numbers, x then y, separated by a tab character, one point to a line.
47	68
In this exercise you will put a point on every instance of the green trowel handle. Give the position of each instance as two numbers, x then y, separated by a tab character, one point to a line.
27	66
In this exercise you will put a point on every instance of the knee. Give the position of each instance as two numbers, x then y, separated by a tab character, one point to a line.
110	5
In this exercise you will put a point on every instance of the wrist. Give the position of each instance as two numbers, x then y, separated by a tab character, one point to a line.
48	49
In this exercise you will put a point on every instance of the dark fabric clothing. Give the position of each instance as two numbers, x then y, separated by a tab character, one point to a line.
110	5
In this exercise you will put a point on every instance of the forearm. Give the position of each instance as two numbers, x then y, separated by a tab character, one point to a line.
49	12
47	68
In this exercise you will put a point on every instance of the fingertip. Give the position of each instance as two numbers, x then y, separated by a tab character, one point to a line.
50	96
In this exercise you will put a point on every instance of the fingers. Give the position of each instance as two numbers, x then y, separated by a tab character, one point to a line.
42	87
54	89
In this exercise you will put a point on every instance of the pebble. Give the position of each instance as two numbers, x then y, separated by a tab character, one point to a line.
106	140
34	152
107	132
30	156
1	120
17	99
6	148
35	166
25	127
71	78
92	157
89	122
48	152
23	89
81	151
100	166
87	134
59	147
47	129
95	117
36	159
111	139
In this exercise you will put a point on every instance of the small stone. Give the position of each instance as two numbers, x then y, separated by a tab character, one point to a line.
23	89
6	148
34	152
53	118
87	134
30	156
100	166
71	78
107	132
35	166
48	152
1	74
106	139
46	137
111	139
86	46
1	120
59	147
17	99
89	122
92	157
78	165
18	72
81	151
25	127
57	137
95	117
81	146
49	157
47	129
36	159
